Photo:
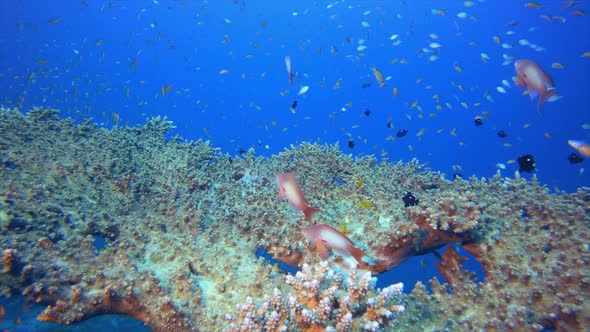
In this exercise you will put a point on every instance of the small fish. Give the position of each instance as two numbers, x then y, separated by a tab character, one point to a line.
378	76
533	5
365	204
583	147
501	89
54	20
303	90
557	65
578	12
289	188
288	66
441	12
166	90
326	237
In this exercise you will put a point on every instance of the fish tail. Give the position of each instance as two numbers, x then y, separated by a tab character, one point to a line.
542	98
309	212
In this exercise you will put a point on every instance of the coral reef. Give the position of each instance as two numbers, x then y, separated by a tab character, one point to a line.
181	223
323	297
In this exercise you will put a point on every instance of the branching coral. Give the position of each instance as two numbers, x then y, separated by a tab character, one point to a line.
322	298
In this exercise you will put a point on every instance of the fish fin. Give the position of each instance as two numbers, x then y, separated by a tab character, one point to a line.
539	104
356	253
542	98
532	93
520	82
322	250
309	212
281	193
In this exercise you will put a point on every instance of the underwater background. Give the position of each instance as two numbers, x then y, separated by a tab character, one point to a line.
217	70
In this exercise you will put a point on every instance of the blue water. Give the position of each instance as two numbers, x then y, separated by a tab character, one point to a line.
120	62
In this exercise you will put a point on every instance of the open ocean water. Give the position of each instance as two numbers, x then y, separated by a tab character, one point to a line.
431	80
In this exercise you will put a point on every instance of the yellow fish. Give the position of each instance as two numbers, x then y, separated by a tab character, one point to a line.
378	76
532	5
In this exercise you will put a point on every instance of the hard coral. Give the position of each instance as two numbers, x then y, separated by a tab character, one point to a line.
322	298
536	276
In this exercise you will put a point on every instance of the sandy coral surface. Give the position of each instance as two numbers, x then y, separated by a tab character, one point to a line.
182	222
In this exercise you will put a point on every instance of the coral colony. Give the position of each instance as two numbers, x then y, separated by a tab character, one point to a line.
182	223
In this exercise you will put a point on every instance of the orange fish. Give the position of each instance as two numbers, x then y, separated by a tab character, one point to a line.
327	237
582	147
537	82
289	188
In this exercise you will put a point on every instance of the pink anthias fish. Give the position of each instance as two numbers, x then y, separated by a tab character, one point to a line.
538	83
583	147
326	237
289	188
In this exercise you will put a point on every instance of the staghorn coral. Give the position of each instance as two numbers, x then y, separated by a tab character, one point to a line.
182	223
536	271
322	298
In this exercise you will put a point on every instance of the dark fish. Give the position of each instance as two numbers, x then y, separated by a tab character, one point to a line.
575	158
351	143
502	134
365	85
526	163
402	133
367	111
478	121
410	200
